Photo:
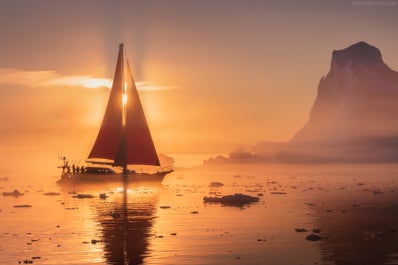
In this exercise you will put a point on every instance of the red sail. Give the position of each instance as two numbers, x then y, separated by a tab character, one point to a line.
108	139
140	147
124	136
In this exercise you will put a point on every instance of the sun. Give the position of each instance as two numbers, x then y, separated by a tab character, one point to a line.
124	95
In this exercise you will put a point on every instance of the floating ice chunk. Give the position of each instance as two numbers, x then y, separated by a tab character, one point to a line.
237	198
15	193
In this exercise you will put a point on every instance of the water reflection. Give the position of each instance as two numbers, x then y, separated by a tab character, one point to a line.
126	224
359	230
357	215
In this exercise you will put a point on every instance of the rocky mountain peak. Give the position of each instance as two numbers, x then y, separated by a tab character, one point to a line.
355	101
359	53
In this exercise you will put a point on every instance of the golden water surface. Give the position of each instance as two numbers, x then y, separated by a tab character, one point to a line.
355	207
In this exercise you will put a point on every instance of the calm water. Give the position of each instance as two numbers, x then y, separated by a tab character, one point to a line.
355	207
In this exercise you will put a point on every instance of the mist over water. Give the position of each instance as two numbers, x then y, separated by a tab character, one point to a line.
354	207
353	118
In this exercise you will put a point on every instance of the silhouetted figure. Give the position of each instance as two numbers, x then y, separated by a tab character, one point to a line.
65	166
73	169
82	169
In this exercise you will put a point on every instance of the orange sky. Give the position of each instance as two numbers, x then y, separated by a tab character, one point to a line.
230	72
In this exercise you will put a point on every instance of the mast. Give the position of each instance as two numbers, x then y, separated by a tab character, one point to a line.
121	155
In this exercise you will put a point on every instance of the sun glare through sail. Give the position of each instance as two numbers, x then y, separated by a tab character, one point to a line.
124	96
124	103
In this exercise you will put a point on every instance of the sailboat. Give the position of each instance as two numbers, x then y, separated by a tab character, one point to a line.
124	138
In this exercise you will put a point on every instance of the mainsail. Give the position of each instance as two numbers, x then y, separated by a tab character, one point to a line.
124	137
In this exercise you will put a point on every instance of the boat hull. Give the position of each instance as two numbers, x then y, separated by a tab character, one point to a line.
113	177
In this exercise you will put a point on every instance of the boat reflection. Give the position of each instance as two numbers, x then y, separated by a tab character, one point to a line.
126	224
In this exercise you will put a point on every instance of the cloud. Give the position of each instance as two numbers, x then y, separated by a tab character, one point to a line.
13	76
27	78
150	86
81	80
